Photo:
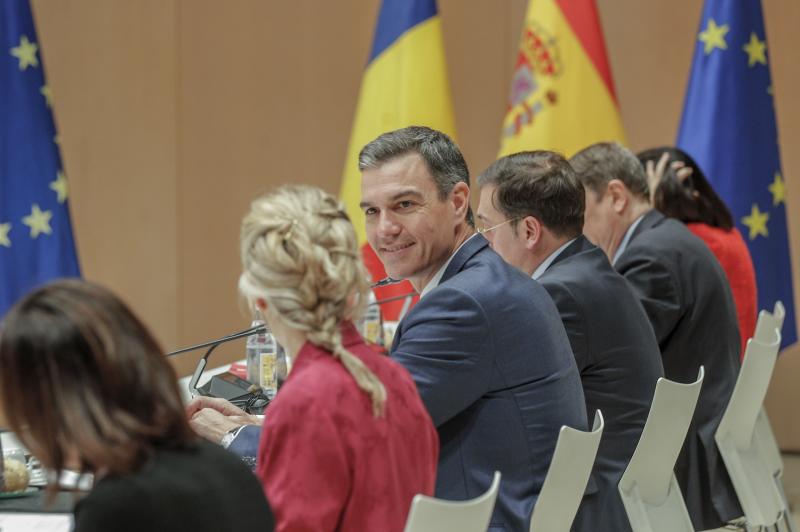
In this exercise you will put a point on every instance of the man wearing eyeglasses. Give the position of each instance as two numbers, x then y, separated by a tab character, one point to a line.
485	346
532	205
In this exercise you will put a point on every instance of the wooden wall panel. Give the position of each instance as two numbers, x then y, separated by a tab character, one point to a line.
268	100
111	65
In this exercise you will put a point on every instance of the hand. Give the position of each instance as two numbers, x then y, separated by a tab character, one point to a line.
655	172
212	425
681	170
215	403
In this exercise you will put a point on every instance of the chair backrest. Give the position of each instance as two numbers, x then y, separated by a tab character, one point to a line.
649	491
763	429
747	398
740	445
779	313
566	478
429	514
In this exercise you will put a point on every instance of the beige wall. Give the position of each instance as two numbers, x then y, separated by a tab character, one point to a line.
173	114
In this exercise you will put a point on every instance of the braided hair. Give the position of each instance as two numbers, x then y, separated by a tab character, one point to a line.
300	253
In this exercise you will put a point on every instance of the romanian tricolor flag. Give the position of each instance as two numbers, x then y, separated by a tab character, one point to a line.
405	83
562	95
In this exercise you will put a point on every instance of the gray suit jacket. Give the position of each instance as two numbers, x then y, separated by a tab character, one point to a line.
493	365
619	362
687	298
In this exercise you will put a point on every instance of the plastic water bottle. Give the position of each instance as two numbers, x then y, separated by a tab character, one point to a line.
371	325
262	358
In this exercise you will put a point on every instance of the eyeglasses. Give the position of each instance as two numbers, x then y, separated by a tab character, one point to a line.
485	230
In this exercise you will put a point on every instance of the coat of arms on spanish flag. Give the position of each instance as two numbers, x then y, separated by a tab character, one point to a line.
405	83
562	94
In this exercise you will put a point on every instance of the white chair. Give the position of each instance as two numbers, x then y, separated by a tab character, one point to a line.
566	478
763	430
429	514
747	467
649	490
765	438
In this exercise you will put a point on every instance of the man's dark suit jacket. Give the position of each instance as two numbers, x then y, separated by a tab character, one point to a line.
619	362
494	368
687	298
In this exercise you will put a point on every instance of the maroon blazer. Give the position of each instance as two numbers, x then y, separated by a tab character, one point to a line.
327	464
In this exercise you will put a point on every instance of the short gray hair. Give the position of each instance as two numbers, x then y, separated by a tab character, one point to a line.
443	158
600	163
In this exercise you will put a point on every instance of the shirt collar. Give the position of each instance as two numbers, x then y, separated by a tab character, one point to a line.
434	282
550	258
626	239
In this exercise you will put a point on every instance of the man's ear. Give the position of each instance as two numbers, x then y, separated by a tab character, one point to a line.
460	198
531	229
618	194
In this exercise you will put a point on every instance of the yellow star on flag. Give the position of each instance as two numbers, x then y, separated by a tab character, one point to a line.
26	53
778	190
45	91
714	36
756	51
4	240
756	221
38	221
59	186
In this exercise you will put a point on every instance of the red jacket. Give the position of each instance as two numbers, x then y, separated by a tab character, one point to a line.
327	464
731	252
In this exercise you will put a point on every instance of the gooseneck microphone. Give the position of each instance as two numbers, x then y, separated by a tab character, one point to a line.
386	281
215	343
228	385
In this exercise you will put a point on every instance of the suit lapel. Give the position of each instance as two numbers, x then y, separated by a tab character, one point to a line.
581	244
468	250
651	219
472	246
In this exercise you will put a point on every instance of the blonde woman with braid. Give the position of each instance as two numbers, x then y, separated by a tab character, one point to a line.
347	442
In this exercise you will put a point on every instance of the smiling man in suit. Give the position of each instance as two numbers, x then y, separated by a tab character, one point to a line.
484	344
686	296
533	202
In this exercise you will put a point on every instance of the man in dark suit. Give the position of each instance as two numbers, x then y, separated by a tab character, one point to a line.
484	344
687	298
612	340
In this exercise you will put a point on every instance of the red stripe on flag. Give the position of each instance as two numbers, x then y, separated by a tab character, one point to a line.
391	311
584	19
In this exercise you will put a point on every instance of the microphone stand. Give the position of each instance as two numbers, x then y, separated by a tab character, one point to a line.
233	388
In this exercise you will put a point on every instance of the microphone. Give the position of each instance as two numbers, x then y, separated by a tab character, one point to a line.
386	281
214	343
393	298
228	386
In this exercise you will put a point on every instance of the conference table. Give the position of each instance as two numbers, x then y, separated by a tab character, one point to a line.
31	513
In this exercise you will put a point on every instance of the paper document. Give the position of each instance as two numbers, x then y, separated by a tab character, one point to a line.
19	522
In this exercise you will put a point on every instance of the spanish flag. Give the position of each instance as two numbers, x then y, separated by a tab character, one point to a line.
562	95
405	83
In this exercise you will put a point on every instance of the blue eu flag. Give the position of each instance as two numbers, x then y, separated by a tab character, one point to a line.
728	126
35	233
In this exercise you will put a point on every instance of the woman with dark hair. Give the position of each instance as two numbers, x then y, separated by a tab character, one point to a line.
85	386
680	190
